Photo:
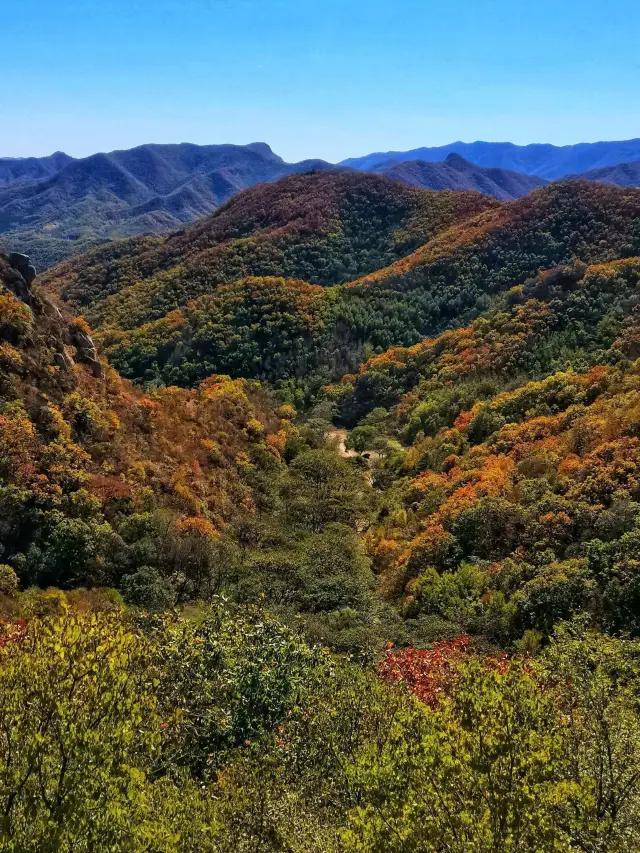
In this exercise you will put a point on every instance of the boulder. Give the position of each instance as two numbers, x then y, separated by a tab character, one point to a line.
86	351
22	264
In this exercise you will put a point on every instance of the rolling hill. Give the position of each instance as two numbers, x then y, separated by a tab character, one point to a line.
546	161
57	206
238	292
325	228
456	173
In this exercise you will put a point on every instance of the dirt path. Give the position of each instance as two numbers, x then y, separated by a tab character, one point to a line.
339	437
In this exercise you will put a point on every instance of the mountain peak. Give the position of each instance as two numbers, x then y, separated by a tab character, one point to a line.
454	159
264	150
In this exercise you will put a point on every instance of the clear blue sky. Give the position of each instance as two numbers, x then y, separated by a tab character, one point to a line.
315	78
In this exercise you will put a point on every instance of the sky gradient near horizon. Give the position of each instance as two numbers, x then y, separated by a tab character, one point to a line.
330	79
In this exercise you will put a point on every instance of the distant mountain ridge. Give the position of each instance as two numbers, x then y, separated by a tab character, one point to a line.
546	161
31	168
622	174
456	173
57	206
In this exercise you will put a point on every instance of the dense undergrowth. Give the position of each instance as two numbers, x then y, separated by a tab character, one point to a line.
509	460
220	730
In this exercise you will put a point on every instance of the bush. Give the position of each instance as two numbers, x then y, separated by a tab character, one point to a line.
8	581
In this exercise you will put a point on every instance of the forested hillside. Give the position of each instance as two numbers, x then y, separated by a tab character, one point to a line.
353	566
173	496
27	169
453	277
508	456
90	465
275	329
475	437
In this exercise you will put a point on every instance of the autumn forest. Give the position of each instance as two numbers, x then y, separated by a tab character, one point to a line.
320	527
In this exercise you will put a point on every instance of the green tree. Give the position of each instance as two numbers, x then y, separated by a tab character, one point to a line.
600	681
483	772
227	679
78	724
323	489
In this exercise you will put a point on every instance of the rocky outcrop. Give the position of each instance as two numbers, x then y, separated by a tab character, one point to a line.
73	341
22	264
17	278
86	352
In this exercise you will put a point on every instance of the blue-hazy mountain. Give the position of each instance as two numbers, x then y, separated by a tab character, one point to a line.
54	207
25	169
546	161
456	173
622	174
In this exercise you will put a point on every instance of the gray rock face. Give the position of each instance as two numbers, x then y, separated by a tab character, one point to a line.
86	350
71	341
20	279
22	264
63	360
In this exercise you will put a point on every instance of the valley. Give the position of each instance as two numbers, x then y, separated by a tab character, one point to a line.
308	498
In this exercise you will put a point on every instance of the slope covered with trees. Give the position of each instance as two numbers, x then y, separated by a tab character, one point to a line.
324	228
453	277
89	465
403	617
508	455
172	496
245	327
28	169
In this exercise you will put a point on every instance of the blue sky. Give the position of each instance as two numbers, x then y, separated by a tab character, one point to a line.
329	79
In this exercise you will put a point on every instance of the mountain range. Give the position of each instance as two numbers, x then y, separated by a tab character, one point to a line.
456	173
480	355
546	161
367	520
57	206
